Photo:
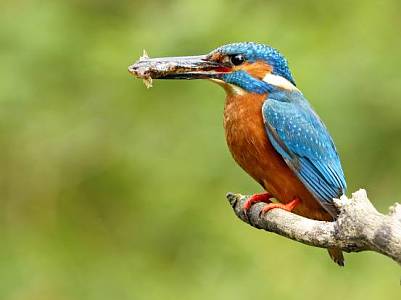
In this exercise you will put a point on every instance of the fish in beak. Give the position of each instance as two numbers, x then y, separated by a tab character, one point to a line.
183	67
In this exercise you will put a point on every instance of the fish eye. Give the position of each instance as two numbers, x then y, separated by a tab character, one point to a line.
237	59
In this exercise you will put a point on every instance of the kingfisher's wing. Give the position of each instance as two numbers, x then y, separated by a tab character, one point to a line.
300	137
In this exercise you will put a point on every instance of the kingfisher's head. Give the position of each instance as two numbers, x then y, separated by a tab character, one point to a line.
238	67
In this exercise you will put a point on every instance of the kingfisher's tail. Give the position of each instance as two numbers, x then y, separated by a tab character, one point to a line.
337	256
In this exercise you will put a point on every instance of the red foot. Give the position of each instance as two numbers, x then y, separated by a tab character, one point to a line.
288	207
262	197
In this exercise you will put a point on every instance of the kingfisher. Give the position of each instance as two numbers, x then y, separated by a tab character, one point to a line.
271	129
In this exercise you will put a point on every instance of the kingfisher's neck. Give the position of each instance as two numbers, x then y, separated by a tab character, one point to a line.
244	101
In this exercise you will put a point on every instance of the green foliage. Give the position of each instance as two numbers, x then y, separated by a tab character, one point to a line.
112	191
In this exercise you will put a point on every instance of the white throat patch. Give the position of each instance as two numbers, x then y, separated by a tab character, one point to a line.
230	88
279	81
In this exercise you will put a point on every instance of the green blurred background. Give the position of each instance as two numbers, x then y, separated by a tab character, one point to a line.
112	191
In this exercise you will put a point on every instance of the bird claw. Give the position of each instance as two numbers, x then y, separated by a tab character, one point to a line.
256	198
288	207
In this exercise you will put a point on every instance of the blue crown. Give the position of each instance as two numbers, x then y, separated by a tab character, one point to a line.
255	51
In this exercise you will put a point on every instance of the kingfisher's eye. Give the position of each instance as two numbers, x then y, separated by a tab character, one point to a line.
237	59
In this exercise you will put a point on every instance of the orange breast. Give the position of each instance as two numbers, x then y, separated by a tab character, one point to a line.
249	145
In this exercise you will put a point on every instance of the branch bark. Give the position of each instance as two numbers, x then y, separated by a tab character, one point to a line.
359	226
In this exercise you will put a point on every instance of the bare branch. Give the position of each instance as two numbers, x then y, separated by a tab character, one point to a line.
359	226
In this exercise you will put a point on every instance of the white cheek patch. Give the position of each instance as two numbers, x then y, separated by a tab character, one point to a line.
279	81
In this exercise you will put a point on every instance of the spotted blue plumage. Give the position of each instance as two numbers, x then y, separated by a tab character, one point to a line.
255	51
300	137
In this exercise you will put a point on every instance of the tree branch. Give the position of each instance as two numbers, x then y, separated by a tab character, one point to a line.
359	226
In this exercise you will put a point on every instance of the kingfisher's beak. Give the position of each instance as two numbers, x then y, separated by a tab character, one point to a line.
185	67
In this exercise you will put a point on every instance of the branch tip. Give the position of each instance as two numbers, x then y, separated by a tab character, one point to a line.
233	198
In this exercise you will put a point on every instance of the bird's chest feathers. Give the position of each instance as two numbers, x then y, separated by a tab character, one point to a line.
244	128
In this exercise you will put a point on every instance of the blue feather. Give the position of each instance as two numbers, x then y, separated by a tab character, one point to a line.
300	137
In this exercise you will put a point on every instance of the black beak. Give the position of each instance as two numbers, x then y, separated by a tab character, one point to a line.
185	67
